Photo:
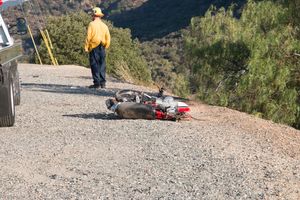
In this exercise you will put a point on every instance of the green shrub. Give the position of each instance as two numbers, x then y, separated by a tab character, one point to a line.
165	59
68	33
247	63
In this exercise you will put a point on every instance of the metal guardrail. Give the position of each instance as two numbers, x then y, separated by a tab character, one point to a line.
8	54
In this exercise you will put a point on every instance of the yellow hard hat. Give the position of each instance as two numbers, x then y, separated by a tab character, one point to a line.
97	12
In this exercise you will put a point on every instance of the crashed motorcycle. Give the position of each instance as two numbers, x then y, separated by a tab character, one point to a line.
130	104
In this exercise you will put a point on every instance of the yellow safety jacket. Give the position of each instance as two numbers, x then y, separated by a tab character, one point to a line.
97	34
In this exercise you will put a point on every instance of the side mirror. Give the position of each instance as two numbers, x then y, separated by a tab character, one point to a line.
21	26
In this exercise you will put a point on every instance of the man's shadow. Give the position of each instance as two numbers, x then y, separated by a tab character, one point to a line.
69	89
102	116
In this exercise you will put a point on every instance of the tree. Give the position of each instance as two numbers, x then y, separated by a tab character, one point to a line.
249	63
124	59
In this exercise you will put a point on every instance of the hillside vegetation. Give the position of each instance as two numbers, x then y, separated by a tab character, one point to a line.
147	19
250	64
156	18
124	59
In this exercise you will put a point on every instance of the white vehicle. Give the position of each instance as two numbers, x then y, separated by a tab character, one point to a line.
9	76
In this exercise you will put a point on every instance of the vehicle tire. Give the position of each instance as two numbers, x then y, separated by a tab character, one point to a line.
9	118
17	90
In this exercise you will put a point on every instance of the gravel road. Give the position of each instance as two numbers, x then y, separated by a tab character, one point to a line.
67	145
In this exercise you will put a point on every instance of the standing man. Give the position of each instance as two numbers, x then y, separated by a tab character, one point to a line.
97	40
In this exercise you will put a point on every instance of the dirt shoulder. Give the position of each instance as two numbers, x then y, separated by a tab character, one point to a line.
282	136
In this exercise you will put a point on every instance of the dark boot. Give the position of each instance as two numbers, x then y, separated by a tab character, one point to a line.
94	86
103	85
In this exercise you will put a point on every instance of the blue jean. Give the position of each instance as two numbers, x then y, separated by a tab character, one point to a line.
98	65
